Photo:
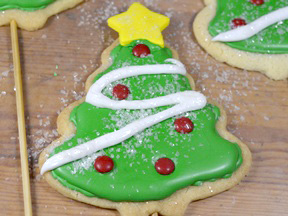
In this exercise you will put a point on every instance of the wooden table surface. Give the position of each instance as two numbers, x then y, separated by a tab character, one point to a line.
70	46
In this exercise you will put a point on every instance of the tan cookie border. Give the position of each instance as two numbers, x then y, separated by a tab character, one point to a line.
174	205
274	66
34	20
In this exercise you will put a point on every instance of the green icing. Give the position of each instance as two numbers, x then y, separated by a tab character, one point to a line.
202	155
272	40
28	5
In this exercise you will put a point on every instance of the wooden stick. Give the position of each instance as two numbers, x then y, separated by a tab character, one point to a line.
21	120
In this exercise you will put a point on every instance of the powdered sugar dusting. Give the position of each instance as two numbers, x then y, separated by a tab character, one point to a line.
94	22
230	87
241	93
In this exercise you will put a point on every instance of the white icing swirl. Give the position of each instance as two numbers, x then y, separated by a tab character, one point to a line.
183	102
251	29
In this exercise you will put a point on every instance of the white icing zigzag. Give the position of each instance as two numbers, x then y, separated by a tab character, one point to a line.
183	102
247	31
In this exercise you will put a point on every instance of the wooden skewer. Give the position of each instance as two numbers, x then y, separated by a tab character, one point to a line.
21	120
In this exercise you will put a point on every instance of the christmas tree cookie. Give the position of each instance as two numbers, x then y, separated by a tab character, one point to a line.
248	34
32	14
143	140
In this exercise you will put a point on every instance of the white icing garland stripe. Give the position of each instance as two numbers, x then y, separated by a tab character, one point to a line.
251	29
96	98
183	101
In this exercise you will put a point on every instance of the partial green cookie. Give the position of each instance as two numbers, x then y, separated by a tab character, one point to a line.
266	52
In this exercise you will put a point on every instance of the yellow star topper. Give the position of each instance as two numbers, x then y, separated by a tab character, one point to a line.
138	22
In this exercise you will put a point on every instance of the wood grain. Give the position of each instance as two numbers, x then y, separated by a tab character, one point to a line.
71	45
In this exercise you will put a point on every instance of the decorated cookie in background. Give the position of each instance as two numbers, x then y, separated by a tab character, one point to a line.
250	34
32	14
143	141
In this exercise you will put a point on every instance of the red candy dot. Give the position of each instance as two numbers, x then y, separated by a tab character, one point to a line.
120	91
103	164
164	166
183	125
238	22
257	2
141	50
